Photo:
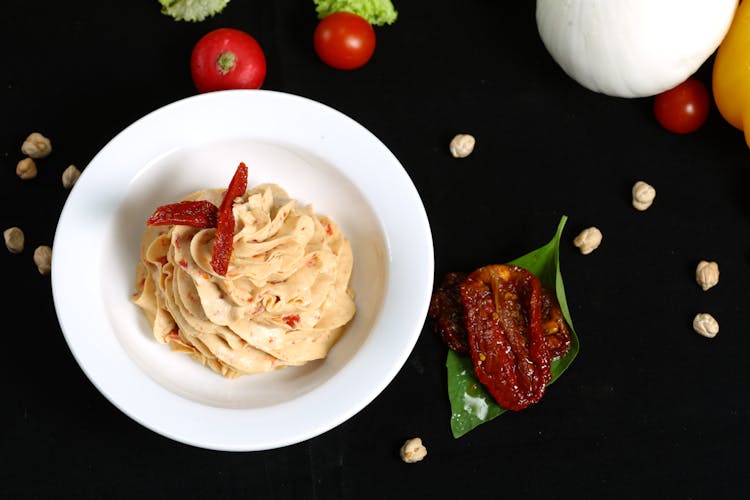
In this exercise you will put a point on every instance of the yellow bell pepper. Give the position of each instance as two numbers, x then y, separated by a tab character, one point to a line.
731	72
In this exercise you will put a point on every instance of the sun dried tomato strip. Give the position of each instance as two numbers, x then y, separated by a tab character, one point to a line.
200	213
224	237
503	307
447	313
555	329
448	318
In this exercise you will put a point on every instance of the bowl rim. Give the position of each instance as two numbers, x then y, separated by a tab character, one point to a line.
409	283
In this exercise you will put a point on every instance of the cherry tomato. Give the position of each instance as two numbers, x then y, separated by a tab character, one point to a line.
683	109
227	58
344	40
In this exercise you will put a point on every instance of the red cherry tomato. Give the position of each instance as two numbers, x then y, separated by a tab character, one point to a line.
227	58
344	40
683	109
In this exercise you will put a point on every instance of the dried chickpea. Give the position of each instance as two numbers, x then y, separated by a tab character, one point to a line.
706	325
643	195
69	176
26	169
36	146
588	240
462	145
14	239
43	259
413	451
707	274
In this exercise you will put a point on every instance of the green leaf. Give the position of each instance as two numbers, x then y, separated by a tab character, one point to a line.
376	12
471	404
192	10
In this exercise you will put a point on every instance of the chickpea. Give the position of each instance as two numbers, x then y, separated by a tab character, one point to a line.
36	146
643	195
14	239
69	176
43	259
707	274
462	145
588	240
26	169
413	451
706	325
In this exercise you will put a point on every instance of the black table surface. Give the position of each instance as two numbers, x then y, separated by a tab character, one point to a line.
649	409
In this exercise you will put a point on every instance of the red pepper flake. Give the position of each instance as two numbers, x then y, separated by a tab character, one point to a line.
162	260
200	213
183	263
222	248
329	230
291	320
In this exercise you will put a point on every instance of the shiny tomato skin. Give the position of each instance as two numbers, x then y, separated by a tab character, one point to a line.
684	108
227	58
344	40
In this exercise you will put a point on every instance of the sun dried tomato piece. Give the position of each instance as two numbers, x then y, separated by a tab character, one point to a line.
224	237
448	318
555	329
503	307
447	313
200	213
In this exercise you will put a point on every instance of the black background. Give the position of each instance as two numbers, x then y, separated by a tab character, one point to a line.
649	409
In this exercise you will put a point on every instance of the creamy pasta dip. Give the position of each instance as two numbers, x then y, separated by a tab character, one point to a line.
284	300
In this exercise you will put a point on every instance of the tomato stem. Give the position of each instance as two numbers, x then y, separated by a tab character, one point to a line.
225	62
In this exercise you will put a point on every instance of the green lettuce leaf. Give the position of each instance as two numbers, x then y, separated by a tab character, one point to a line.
377	12
471	404
192	10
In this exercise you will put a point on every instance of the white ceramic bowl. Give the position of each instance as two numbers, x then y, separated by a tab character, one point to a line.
320	156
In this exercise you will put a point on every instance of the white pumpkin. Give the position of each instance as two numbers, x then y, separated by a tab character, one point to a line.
632	48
